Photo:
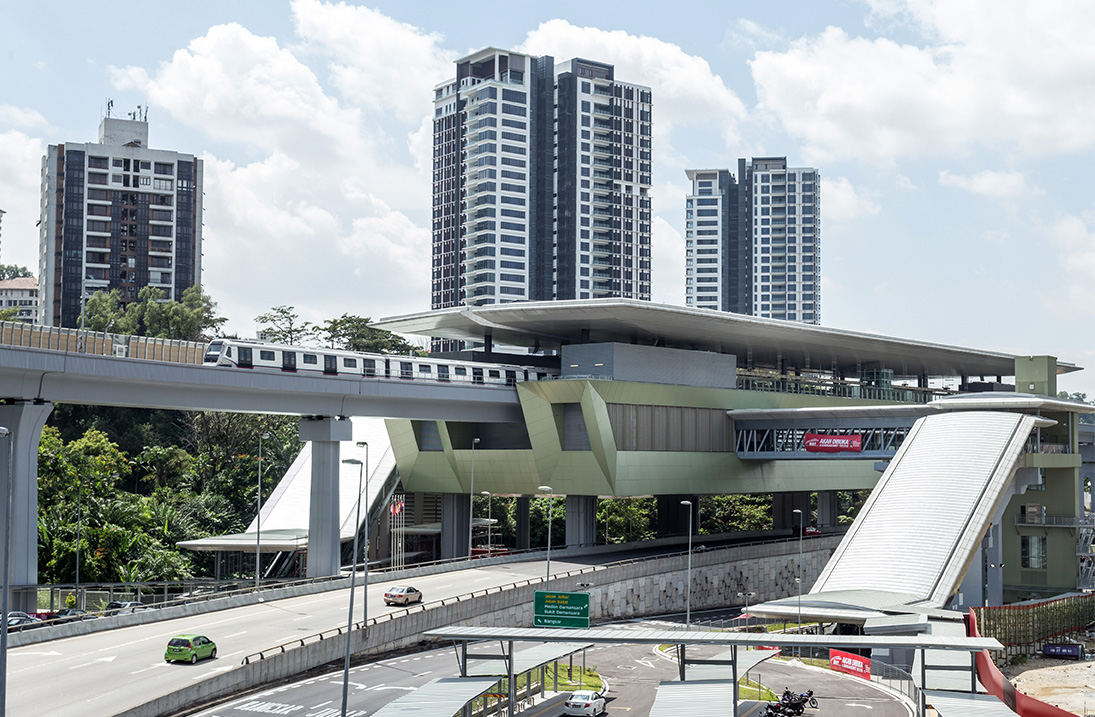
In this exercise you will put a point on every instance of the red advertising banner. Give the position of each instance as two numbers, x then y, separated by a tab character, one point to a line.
818	443
852	664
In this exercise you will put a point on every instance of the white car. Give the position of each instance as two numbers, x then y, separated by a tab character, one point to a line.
584	702
402	595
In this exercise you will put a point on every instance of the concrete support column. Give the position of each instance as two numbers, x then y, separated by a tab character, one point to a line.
581	520
25	421
828	509
324	433
783	510
454	525
673	518
524	523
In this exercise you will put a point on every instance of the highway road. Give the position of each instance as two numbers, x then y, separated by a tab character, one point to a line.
106	672
633	673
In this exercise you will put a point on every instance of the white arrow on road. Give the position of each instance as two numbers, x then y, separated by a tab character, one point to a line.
101	659
856	704
43	654
645	662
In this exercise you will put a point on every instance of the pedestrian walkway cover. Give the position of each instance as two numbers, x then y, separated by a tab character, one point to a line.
445	696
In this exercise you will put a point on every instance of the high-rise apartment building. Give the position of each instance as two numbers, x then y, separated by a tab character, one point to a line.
753	242
116	215
541	182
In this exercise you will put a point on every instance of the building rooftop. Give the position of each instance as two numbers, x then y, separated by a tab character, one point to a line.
549	325
22	282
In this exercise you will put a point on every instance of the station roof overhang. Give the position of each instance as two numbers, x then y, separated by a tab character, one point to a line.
1015	402
857	607
550	325
725	639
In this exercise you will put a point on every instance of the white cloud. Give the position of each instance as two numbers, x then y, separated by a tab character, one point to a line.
23	118
20	160
1006	183
383	65
992	74
667	272
1074	238
842	203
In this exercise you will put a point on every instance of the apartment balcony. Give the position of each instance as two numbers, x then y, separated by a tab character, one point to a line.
603	249
603	151
602	162
602	262
598	212
603	286
601	174
603	90
604	186
602	225
602	199
601	124
605	110
602	137
602	274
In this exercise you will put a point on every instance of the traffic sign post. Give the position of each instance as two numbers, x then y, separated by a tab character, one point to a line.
559	609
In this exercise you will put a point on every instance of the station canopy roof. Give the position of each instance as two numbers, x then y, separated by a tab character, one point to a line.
549	325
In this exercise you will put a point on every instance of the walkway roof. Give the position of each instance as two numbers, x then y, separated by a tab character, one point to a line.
552	324
959	704
445	696
696	637
697	698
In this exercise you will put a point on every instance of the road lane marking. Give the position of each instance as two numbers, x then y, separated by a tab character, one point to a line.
153	667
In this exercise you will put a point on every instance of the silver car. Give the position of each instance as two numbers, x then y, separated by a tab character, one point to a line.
402	595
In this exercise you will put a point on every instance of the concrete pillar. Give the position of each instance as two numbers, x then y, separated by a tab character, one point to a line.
524	524
828	509
324	433
581	520
24	419
454	525
673	518
783	510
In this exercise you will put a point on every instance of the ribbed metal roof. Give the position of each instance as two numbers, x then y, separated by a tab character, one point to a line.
696	637
700	698
968	457
445	696
552	324
957	704
526	659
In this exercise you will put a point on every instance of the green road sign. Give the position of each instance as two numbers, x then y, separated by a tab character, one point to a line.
551	609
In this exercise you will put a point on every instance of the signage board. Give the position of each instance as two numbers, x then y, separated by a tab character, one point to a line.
850	663
559	609
818	443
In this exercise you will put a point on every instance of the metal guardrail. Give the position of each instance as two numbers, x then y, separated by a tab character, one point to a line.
300	642
1059	521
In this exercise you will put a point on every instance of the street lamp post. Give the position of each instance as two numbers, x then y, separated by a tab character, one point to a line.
800	532
79	530
551	504
688	583
6	579
747	595
487	493
471	495
353	574
258	519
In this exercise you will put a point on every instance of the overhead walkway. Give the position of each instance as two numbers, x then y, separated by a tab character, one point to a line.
284	515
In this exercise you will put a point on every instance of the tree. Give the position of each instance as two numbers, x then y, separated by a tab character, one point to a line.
103	311
12	271
191	319
282	325
1078	397
353	333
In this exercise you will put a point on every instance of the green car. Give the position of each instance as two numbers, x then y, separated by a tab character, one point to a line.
189	648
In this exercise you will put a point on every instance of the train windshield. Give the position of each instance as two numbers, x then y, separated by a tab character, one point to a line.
212	351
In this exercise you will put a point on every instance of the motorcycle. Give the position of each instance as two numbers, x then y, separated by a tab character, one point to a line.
777	709
797	702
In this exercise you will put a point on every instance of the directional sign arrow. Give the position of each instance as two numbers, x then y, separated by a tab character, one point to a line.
106	659
856	704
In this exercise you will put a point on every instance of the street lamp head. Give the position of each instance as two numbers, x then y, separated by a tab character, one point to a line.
474	441
546	488
351	461
796	510
265	436
686	502
485	492
4	431
362	444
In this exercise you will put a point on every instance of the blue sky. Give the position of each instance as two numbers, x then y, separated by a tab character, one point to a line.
956	141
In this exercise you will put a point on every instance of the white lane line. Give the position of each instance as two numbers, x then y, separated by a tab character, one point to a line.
153	667
321	704
423	674
234	634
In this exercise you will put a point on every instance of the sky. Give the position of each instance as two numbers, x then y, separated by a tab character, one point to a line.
956	141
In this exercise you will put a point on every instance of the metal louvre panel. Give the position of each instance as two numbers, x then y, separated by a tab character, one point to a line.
930	507
697	698
445	696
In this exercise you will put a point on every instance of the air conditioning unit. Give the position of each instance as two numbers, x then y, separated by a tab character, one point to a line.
121	351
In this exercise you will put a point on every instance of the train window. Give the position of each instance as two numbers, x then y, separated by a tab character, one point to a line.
494	374
477	375
330	365
425	368
349	363
369	365
266	355
442	372
245	357
288	360
460	371
310	358
406	369
511	378
228	352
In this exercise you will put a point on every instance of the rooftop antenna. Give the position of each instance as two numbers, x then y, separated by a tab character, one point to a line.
109	106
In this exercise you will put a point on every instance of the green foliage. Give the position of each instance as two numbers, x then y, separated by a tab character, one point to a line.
86	496
282	325
849	503
627	520
11	314
151	315
352	333
735	513
13	271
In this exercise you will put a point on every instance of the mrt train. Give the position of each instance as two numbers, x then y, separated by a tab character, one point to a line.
237	353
